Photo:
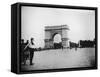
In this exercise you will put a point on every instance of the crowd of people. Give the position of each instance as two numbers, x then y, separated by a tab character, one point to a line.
82	44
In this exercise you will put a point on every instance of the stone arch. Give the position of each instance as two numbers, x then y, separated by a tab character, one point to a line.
51	31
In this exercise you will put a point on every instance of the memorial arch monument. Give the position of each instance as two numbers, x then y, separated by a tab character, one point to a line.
51	31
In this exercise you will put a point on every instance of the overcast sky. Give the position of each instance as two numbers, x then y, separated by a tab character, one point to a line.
34	19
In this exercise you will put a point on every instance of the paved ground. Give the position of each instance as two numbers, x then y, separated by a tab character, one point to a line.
66	58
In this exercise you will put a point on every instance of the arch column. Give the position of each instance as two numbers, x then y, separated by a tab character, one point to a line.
65	42
48	43
64	38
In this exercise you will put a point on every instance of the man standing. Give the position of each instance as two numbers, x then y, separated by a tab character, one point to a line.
31	50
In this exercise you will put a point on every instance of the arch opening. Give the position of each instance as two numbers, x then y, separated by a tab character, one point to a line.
57	42
57	38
